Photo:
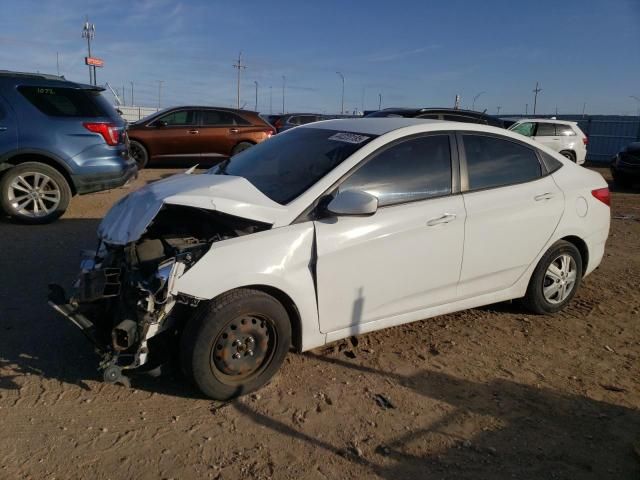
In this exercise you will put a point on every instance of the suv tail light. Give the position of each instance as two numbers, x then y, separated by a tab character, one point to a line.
109	131
585	140
603	195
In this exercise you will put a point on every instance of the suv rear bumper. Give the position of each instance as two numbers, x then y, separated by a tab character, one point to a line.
108	178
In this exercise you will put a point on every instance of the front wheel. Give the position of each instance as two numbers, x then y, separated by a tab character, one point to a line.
34	193
555	280
236	343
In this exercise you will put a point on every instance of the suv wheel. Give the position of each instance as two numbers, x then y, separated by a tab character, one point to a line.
139	154
236	343
34	193
555	280
568	154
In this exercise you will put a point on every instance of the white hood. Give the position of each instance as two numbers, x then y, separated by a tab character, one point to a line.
128	218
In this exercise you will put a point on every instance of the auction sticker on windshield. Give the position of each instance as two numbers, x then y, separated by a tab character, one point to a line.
348	137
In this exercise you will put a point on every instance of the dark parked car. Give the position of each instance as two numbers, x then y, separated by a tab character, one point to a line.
625	167
196	134
57	139
450	114
290	120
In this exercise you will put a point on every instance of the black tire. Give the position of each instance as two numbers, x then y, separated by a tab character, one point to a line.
568	154
241	147
535	299
54	192
623	182
227	326
139	153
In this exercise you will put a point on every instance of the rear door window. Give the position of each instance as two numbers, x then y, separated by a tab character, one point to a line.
67	102
220	117
546	130
494	162
412	170
564	130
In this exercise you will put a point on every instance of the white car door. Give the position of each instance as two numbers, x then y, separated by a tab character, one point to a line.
405	257
512	207
547	135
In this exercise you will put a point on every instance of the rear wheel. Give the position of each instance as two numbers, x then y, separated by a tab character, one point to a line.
623	182
568	154
139	154
555	280
34	193
241	147
236	343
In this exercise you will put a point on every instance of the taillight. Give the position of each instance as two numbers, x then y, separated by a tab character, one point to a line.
109	131
585	140
603	195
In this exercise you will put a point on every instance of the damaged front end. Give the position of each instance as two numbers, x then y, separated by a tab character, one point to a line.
124	298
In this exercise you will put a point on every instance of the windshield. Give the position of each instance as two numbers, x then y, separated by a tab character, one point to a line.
286	165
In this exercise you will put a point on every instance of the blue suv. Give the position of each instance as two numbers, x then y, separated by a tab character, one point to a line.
57	139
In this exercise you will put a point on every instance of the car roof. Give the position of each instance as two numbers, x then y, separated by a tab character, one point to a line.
416	111
546	120
33	78
373	126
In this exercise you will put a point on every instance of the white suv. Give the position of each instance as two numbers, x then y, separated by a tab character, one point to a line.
559	135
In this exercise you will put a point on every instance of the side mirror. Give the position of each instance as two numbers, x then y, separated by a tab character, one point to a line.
159	123
353	202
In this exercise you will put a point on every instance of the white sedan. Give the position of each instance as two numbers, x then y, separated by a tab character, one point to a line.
330	230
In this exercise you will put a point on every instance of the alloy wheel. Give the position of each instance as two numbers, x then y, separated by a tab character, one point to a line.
34	194
559	279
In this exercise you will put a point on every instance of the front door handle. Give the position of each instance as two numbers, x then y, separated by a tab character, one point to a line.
233	130
543	196
194	132
2	129
445	218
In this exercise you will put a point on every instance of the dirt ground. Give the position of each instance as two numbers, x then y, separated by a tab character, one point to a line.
487	393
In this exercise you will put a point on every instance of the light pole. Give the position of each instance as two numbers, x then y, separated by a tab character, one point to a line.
536	91
160	82
89	32
284	81
256	82
240	67
499	107
270	99
131	93
473	105
637	99
342	102
379	101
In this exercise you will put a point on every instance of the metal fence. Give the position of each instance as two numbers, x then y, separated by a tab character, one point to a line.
608	134
132	114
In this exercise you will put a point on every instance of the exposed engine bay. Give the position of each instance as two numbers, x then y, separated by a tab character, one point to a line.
123	298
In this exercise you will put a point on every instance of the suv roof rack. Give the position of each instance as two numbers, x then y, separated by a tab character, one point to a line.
45	76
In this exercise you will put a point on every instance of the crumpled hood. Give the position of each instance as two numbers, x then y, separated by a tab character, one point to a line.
128	218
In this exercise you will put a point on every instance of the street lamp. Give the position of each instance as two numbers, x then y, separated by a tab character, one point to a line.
637	99
342	102
473	105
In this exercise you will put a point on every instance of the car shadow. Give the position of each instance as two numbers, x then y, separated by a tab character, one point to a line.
535	432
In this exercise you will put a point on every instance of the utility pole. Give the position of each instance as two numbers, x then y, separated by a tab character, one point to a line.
473	105
131	93
160	82
240	67
256	82
637	99
58	63
584	107
379	101
284	81
536	91
89	32
362	102
124	101
270	99
342	102
457	104
499	107
526	109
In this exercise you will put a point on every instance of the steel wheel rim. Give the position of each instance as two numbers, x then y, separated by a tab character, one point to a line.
243	349
560	279
34	194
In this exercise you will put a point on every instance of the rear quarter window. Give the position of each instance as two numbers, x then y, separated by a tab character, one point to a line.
66	102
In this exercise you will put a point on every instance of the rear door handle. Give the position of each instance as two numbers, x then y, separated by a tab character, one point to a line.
233	130
445	218
194	132
543	196
2	129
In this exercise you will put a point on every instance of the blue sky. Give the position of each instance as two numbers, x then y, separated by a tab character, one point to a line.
414	53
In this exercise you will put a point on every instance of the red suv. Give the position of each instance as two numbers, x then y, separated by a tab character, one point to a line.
196	134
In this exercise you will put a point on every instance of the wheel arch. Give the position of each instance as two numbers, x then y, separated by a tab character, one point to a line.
25	157
582	247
